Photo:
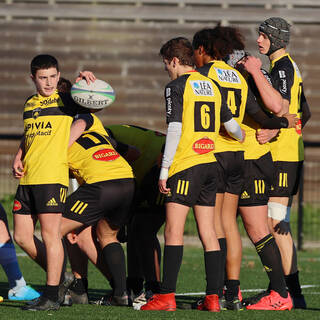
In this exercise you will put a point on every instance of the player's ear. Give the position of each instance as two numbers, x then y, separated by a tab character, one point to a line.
175	61
32	78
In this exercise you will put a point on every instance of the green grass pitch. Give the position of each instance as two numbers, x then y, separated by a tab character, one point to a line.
190	285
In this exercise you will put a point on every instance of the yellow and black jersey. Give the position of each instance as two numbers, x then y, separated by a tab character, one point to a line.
148	142
235	89
196	102
92	157
287	80
47	122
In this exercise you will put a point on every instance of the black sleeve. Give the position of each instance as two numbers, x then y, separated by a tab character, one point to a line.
306	113
174	102
225	113
269	121
120	147
88	118
282	78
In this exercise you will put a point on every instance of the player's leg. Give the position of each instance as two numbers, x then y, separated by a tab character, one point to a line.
18	289
255	222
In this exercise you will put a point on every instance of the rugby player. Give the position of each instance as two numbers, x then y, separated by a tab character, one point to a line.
41	166
211	46
195	108
283	95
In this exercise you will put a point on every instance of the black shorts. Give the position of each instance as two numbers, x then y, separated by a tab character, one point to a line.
148	198
194	186
107	199
41	198
230	171
286	182
259	175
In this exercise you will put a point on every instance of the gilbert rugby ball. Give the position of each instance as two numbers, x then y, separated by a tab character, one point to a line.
96	95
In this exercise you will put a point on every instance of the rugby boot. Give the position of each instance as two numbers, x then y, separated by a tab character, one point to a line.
23	293
273	301
165	302
42	304
234	302
209	303
254	299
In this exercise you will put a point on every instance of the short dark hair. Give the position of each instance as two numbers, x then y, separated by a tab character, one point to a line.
43	61
64	85
219	41
180	48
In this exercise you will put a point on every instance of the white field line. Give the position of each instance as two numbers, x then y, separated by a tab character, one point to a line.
250	290
256	257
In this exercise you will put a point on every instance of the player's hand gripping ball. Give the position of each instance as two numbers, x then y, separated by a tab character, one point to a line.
96	95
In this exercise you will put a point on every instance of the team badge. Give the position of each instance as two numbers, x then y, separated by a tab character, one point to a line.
106	155
203	146
298	127
36	113
16	205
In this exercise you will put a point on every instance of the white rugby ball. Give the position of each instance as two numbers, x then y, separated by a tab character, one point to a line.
96	95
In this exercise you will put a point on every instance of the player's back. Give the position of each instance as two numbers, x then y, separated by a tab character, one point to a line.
92	158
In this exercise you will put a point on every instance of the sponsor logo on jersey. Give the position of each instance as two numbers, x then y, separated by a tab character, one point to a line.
52	203
227	75
106	155
202	88
203	146
283	88
16	205
36	113
169	106
245	195
282	74
38	125
49	101
298	127
168	92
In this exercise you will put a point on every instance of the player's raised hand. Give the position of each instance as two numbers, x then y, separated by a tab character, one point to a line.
87	75
251	64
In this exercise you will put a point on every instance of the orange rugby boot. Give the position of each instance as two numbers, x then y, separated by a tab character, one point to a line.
165	302
209	303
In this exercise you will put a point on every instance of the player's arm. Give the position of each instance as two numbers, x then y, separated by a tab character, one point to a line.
270	96
306	113
17	165
269	121
231	125
174	108
79	125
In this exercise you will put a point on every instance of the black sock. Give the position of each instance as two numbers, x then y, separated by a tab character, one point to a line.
223	248
270	257
51	292
113	256
212	262
79	286
65	260
232	289
293	284
172	259
135	284
153	286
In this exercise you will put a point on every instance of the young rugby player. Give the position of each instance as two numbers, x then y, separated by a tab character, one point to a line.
42	167
211	45
195	108
285	93
18	289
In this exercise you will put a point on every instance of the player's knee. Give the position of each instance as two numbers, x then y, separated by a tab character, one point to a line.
278	211
22	239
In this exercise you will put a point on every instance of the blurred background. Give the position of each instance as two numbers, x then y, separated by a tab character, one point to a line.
119	40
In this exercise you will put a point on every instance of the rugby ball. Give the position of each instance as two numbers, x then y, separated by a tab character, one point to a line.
96	95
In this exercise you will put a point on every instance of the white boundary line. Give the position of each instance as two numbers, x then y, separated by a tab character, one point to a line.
249	290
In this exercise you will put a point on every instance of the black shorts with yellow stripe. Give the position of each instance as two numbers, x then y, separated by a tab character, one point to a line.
41	198
286	182
230	171
259	175
107	199
194	186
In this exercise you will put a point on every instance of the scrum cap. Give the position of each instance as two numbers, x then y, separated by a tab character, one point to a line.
278	32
